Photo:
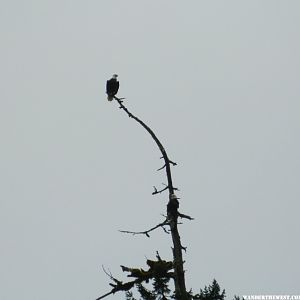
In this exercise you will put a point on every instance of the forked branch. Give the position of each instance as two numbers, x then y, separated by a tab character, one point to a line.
156	269
146	232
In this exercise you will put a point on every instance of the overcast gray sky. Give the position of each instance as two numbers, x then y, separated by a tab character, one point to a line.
218	81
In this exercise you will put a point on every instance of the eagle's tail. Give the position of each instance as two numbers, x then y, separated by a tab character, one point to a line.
110	98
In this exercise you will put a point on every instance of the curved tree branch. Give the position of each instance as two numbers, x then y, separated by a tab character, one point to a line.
157	141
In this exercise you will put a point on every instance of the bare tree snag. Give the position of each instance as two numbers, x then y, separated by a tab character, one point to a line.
172	211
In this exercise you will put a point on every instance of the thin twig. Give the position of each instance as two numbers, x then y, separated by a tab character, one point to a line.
183	216
159	191
146	232
172	162
161	167
105	295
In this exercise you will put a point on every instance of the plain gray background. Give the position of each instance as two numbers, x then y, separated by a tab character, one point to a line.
218	81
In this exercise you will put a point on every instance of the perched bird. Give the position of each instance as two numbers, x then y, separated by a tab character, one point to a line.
112	87
172	206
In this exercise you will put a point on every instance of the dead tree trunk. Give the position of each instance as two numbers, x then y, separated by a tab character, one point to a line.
172	211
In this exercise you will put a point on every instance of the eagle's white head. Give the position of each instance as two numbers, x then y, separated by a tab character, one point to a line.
173	197
115	76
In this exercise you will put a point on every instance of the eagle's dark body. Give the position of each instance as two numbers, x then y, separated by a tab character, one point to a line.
112	87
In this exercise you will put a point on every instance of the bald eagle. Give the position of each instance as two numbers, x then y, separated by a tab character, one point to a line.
112	87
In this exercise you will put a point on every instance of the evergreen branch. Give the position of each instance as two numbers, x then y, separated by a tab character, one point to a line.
118	285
